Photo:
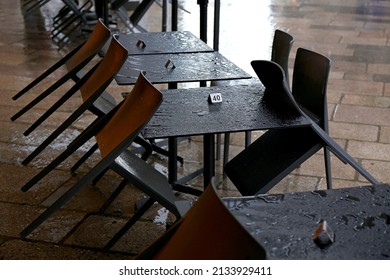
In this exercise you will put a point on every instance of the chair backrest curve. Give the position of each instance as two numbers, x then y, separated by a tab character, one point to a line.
134	112
207	231
91	46
106	70
281	47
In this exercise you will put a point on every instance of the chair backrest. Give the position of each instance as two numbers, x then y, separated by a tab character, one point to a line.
104	73
133	113
310	78
91	46
277	93
207	231
281	47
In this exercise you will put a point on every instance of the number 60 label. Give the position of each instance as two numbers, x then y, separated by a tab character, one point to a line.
215	97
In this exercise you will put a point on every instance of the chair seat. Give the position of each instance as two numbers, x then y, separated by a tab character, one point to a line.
147	178
270	158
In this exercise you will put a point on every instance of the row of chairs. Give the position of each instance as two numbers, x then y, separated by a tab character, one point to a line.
136	109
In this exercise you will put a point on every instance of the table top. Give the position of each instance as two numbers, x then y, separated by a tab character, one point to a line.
284	224
177	68
186	112
162	42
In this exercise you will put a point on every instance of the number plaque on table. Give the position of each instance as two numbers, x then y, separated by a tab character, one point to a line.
215	97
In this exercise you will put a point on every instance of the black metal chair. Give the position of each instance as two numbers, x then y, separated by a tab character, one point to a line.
208	231
114	133
265	162
281	46
278	152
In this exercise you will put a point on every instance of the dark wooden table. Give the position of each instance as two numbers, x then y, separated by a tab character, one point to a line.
285	224
179	68
186	112
162	43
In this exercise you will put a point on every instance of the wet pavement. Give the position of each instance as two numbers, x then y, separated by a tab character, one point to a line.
354	34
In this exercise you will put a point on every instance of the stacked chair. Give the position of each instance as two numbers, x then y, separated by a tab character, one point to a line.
208	231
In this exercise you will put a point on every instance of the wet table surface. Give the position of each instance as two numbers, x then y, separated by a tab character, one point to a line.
163	42
177	68
187	112
285	224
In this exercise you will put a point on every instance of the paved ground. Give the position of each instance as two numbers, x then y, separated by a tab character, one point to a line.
353	33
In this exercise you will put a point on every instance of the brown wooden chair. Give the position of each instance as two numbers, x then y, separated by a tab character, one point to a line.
208	231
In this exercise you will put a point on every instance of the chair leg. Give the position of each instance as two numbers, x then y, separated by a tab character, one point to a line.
341	154
248	138
328	169
218	150
226	150
45	74
138	214
72	118
83	182
49	112
83	158
98	177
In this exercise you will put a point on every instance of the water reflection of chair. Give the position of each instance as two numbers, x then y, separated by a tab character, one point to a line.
276	153
281	46
114	133
208	231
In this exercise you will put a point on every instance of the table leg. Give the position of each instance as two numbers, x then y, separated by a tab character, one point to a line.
175	7
172	160
164	15
208	158
203	19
